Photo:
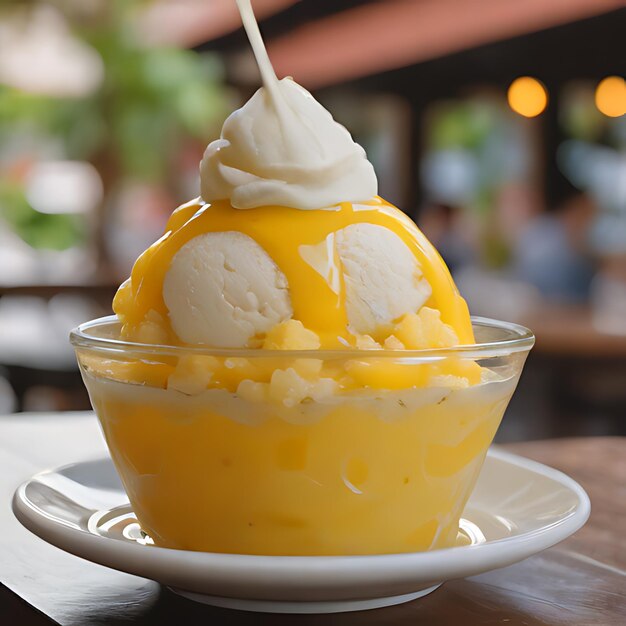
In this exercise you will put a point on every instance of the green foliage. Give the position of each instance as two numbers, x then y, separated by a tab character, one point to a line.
150	99
39	230
462	125
579	117
480	129
152	96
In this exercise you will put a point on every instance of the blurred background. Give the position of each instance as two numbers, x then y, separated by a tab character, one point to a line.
498	125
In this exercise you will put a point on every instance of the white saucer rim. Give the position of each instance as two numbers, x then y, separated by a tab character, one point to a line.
444	564
304	607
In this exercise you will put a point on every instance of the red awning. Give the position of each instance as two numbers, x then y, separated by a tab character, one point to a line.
373	37
396	33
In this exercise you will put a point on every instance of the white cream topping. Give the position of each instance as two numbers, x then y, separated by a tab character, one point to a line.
283	148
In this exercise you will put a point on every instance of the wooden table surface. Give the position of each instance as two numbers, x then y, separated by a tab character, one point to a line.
581	581
569	331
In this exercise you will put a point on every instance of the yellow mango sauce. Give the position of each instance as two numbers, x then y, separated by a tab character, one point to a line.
280	231
354	476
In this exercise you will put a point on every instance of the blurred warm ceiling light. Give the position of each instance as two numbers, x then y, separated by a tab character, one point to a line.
38	54
527	96
611	96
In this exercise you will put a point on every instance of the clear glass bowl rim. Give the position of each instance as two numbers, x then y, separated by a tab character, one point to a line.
516	338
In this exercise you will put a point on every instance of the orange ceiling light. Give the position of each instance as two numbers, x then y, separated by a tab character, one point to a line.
611	96
527	96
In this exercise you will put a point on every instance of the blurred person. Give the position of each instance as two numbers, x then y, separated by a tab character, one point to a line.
442	224
517	204
551	252
608	297
8	400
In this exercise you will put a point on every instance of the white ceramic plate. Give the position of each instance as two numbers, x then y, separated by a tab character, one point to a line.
518	508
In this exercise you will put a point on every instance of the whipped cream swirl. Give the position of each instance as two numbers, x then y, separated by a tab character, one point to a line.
283	148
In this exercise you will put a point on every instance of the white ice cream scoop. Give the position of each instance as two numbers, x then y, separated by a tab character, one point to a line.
222	289
382	278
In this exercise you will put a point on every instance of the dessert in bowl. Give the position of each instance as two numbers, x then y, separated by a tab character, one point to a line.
300	452
291	369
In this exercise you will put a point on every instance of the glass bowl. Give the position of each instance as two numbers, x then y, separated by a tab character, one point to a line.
282	452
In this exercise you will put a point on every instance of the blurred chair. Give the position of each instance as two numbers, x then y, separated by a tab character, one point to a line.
8	400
